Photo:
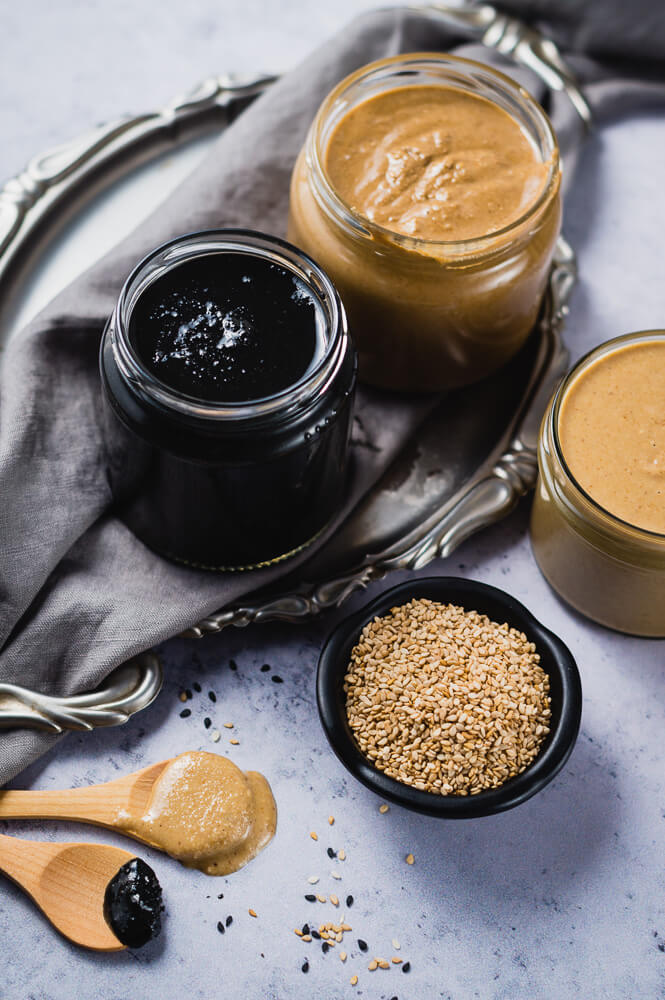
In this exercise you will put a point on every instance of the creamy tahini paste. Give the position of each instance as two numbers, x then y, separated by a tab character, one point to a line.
434	163
207	813
612	433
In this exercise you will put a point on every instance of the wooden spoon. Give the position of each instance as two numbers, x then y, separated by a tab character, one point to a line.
68	883
98	804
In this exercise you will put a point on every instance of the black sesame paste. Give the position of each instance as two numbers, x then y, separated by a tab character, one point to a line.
133	904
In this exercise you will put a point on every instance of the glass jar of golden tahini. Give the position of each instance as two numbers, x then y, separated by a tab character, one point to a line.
429	188
598	519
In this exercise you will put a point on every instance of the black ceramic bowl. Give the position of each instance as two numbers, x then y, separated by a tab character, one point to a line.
555	659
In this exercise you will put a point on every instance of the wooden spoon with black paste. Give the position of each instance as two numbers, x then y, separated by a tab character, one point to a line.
97	896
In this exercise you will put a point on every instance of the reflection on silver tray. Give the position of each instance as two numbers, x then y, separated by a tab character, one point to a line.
476	453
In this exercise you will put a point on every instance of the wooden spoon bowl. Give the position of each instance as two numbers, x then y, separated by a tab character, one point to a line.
68	883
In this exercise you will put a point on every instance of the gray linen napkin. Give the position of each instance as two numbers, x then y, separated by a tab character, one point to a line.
78	593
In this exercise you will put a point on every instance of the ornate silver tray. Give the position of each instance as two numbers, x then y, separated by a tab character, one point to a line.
476	453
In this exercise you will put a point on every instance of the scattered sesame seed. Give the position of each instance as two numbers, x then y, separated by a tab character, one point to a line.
233	665
313	879
296	930
305	966
396	960
384	807
383	964
197	687
396	944
265	668
362	944
330	853
321	899
354	980
406	967
314	835
335	875
234	743
331	820
228	725
307	937
220	927
341	855
409	859
276	679
342	956
373	965
305	928
229	921
185	714
349	901
182	696
334	900
188	693
207	722
316	935
215	736
252	913
212	696
325	947
310	897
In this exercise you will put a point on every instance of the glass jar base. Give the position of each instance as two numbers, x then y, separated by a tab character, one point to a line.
262	564
614	625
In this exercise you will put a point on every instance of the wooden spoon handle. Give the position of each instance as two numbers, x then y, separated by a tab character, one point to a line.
97	804
102	805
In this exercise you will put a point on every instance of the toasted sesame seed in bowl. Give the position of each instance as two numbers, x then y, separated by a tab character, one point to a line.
448	697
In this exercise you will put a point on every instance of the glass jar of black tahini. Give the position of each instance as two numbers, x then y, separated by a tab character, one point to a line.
228	377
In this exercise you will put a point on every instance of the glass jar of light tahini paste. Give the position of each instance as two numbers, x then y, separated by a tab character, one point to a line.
598	519
429	188
228	377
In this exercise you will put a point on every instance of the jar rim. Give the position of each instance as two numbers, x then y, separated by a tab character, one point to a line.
601	350
476	245
170	255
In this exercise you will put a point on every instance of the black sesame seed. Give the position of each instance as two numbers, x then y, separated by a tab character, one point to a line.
316	935
406	967
189	694
220	927
310	897
186	712
221	896
276	679
349	900
197	687
265	668
233	665
229	921
305	966
331	853
305	928
207	722
394	998
362	944
325	947
212	696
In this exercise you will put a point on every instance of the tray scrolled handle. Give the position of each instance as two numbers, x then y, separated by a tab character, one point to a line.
127	690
